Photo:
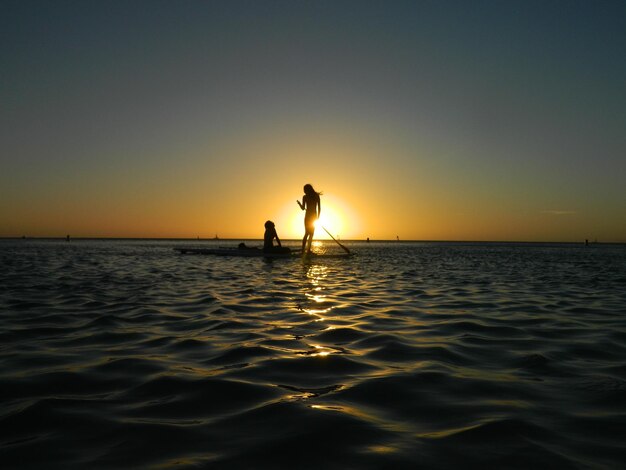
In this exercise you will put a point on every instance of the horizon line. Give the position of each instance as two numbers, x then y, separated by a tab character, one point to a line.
363	240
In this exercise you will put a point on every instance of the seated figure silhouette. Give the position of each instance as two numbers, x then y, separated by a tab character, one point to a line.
268	240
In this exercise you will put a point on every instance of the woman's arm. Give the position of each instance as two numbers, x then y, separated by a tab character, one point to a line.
301	204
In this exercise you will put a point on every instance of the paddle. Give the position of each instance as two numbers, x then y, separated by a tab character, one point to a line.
329	234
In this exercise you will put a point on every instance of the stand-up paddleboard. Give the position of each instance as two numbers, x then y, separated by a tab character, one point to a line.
310	256
241	252
256	253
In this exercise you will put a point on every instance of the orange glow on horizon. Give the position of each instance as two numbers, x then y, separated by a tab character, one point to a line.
202	198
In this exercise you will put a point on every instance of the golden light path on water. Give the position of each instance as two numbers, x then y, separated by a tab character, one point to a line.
316	295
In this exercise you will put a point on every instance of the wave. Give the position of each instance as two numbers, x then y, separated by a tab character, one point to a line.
125	355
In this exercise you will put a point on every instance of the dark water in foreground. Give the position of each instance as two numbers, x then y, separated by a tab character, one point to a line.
124	354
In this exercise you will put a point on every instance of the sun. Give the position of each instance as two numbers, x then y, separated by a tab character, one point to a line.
332	218
331	221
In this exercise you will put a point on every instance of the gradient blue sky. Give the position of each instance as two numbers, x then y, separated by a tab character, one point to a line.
454	120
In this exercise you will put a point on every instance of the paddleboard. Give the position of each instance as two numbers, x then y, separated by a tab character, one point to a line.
256	253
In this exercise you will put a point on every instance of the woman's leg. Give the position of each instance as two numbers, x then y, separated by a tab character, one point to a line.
309	230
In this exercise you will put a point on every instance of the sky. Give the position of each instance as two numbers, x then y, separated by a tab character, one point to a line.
423	120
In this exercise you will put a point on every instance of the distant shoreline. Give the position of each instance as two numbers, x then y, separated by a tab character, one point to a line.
358	240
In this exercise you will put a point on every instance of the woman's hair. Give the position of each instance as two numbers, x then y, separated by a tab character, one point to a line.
269	224
309	191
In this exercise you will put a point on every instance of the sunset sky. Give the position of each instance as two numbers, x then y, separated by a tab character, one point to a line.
427	120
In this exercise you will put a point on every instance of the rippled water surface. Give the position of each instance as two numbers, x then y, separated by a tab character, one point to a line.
125	354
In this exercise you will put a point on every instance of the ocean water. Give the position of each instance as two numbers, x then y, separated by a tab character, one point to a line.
125	354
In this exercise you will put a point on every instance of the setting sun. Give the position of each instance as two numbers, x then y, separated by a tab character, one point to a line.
330	221
334	217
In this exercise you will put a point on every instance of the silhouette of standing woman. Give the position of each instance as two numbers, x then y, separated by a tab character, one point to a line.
311	204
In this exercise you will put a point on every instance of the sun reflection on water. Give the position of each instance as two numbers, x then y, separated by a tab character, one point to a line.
350	410
382	449
315	273
321	351
314	292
